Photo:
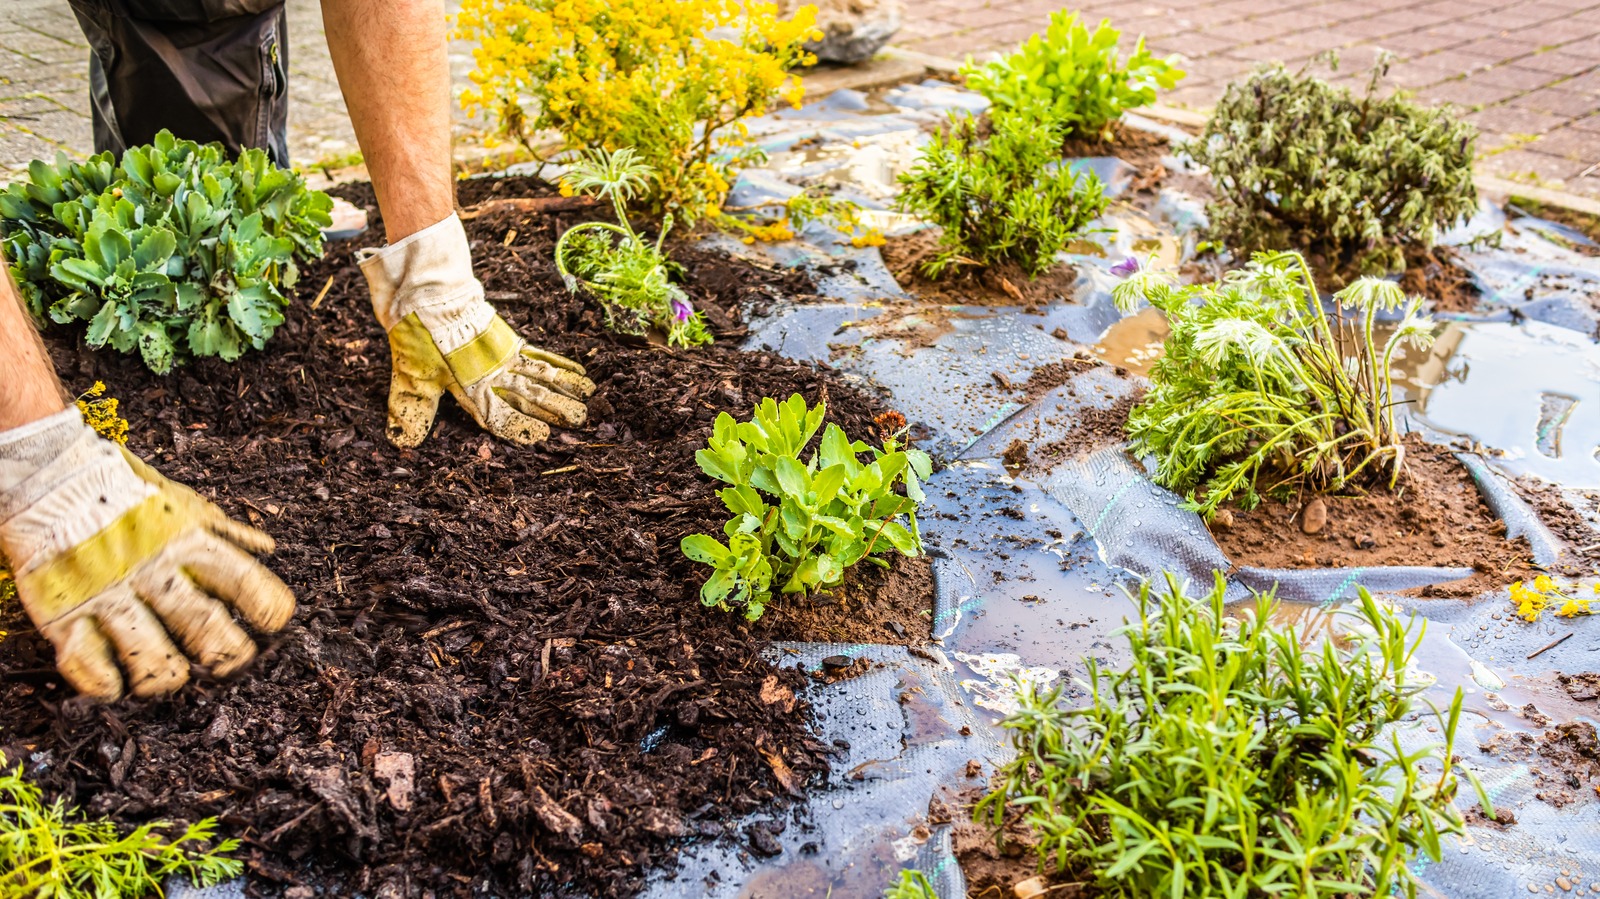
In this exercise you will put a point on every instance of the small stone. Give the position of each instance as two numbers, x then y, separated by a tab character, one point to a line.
836	662
1030	888
898	628
398	771
1564	883
1365	541
1222	520
1059	333
1314	517
852	30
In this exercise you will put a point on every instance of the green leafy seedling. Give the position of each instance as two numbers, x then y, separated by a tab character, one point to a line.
1076	75
797	526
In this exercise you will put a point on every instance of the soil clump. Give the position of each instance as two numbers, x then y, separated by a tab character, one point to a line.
1005	284
1434	517
500	679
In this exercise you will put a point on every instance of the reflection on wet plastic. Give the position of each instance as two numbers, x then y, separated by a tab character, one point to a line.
1530	392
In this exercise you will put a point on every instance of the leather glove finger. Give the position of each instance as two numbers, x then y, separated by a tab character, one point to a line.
228	573
153	665
84	657
504	420
554	372
200	623
533	398
555	361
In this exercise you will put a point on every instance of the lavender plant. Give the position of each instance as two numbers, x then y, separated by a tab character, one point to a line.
1354	179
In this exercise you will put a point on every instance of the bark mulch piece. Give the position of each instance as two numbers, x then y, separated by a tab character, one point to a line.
500	679
1435	517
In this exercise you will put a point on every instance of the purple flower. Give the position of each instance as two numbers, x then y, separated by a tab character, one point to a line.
681	310
1126	267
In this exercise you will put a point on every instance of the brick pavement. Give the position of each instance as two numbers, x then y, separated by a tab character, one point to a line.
1529	72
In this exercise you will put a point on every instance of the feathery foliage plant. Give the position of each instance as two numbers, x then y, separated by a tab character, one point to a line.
49	851
1260	390
631	277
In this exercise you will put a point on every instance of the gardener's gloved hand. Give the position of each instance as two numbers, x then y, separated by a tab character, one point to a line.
113	562
443	336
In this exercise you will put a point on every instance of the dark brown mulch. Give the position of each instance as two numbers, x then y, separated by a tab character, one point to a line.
517	625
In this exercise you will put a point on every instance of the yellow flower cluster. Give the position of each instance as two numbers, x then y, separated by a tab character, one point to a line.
1531	601
672	79
775	231
872	237
100	412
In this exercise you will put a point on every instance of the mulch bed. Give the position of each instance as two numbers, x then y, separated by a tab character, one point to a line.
499	679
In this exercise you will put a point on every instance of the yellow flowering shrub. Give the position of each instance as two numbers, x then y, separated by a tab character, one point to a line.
672	80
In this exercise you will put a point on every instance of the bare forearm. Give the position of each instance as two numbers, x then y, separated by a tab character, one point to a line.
31	391
392	60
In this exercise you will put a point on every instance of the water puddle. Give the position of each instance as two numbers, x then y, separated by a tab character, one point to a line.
1530	392
1134	342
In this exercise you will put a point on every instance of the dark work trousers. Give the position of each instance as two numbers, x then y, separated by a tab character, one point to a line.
206	70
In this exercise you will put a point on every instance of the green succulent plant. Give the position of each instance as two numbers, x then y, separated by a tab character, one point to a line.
172	251
797	526
1076	74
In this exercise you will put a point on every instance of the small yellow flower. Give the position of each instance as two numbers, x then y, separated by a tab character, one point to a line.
1543	584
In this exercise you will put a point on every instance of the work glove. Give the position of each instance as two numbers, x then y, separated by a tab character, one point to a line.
113	562
443	335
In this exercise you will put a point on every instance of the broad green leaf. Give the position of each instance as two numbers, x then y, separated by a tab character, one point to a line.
704	549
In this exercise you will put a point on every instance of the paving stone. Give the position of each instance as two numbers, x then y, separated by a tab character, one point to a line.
1572	104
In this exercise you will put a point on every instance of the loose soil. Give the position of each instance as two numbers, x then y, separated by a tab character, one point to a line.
499	679
1435	517
1564	760
992	867
1439	276
1005	284
1139	148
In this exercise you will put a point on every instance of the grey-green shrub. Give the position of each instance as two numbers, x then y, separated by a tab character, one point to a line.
1300	164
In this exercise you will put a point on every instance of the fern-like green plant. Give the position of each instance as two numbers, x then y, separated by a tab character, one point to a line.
1356	179
49	851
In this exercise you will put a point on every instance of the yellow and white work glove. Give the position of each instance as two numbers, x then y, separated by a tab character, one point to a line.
114	563
443	335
